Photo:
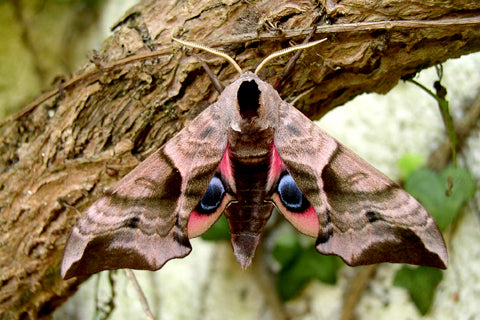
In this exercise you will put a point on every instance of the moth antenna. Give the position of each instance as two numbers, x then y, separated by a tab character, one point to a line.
285	51
214	51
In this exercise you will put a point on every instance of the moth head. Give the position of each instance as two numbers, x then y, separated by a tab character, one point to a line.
256	101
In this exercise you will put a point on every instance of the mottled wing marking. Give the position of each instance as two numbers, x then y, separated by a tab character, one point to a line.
142	222
364	216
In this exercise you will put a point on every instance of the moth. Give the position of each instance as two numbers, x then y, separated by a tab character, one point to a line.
245	154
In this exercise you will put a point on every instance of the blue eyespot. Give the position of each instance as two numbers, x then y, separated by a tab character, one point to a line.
291	196
212	198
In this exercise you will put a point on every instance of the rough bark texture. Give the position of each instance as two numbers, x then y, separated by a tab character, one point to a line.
64	149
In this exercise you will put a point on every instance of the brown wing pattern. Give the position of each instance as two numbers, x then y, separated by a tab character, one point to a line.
142	222
364	216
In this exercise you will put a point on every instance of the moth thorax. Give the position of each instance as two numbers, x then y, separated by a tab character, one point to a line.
248	97
251	146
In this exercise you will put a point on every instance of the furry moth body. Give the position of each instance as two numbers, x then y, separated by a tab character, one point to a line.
243	155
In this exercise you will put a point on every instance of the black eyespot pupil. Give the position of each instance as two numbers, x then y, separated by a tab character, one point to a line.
371	216
291	196
212	198
133	222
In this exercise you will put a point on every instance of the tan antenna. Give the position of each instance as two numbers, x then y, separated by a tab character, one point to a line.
285	51
261	65
214	51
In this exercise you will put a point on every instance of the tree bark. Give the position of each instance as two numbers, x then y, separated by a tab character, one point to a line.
61	151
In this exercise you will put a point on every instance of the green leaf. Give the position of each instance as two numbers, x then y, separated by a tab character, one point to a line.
301	265
443	104
286	248
464	186
219	231
420	283
408	163
442	194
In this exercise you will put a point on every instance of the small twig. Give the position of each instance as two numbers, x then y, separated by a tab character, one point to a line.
349	27
216	83
355	288
440	157
141	295
104	309
443	105
266	285
279	82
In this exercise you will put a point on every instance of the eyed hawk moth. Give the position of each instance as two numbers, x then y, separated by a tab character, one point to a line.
245	154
